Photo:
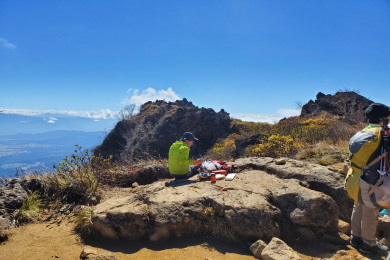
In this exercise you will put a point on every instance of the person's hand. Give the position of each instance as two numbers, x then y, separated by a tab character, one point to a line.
198	161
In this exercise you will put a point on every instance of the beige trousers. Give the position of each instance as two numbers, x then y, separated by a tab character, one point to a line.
364	221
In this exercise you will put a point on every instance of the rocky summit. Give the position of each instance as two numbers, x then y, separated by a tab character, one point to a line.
347	104
269	198
150	133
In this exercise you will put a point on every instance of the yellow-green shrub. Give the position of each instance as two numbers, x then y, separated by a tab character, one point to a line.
315	129
222	150
247	129
274	146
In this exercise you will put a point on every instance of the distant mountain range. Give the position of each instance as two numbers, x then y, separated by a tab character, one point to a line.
39	152
37	141
31	124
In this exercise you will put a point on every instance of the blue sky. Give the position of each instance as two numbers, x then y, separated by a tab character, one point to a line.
253	57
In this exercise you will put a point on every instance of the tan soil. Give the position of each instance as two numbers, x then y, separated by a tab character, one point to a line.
55	239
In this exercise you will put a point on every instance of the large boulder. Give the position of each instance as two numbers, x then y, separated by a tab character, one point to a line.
313	176
255	205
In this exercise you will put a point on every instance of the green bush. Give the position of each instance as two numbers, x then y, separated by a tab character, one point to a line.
83	222
79	176
30	210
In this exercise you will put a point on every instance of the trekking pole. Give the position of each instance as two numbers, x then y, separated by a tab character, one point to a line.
385	126
385	147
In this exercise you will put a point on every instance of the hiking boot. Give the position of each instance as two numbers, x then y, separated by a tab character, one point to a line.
178	182
378	249
356	242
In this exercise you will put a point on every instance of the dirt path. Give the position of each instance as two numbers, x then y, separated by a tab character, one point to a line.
48	240
55	239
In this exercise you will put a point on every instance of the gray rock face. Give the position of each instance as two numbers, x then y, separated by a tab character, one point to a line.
255	205
35	185
89	253
314	177
257	247
12	196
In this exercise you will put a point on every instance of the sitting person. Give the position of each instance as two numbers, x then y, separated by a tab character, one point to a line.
179	164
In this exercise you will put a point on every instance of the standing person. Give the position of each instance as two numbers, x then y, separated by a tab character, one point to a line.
180	166
366	146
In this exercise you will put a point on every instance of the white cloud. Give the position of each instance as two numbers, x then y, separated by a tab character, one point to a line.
7	44
267	118
102	114
52	120
287	112
150	94
167	95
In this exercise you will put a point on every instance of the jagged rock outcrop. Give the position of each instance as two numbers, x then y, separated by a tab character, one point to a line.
348	105
35	185
151	132
12	196
255	205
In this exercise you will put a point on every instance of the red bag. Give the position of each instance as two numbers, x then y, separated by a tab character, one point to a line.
224	172
220	162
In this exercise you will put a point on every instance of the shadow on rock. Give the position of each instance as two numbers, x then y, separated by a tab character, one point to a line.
177	183
130	247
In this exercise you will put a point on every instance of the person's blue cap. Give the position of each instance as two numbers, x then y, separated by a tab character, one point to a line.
189	136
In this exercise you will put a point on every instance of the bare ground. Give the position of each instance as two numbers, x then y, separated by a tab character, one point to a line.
54	238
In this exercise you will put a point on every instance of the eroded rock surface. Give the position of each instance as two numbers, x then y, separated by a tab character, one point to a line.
255	205
313	176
